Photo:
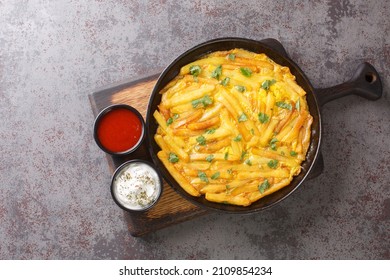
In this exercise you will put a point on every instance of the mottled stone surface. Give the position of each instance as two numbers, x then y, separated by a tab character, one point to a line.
54	196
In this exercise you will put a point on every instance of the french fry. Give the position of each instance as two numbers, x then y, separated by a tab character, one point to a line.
185	132
256	195
228	199
189	96
204	124
213	188
276	173
293	133
216	156
306	136
175	148
178	177
187	119
215	146
267	134
211	112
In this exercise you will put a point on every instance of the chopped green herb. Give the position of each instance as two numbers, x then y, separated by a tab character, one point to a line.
210	130
217	72
232	56
237	138
210	158
229	171
228	190
203	176
205	101
252	131
170	120
263	118
226	156
284	105
225	81
273	163
247	72
173	158
272	143
298	105
243	155
267	83
201	140
215	176
240	88
242	118
195	70
195	103
293	153
248	162
264	186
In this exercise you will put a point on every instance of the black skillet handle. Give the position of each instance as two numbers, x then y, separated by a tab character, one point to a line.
365	83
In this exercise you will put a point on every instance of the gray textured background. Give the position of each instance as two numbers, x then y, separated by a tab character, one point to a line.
54	181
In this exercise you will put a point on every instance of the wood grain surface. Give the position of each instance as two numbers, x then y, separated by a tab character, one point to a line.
171	208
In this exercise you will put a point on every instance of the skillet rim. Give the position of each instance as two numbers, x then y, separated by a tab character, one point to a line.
273	50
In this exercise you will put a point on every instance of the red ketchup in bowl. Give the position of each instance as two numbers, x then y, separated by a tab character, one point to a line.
119	129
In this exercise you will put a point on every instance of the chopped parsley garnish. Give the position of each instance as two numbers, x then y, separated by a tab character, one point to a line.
232	56
210	130
225	81
203	176
226	156
217	72
267	83
284	105
272	143
205	101
237	138
243	154
263	118
273	163
242	118
170	120
248	162
216	175
247	72
264	186
229	171
293	153
173	158
201	140
210	158
240	88
195	70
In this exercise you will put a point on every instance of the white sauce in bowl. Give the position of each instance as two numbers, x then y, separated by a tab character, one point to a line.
136	186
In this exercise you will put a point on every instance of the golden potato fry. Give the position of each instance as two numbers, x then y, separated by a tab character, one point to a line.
177	175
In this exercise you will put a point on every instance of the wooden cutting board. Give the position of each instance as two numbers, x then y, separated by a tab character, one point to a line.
171	208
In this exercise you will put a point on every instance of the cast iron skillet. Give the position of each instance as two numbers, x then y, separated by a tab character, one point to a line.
365	83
